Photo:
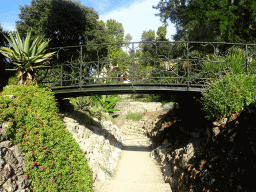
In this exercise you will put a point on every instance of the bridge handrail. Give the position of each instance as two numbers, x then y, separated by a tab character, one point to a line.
95	69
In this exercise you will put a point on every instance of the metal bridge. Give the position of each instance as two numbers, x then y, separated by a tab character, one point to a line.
181	67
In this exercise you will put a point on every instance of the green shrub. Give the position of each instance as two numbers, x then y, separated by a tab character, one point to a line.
235	61
13	80
134	116
228	95
104	103
54	161
81	103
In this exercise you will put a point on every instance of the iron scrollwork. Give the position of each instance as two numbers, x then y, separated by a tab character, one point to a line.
161	62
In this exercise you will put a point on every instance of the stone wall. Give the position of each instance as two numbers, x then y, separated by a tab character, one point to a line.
196	155
101	143
12	165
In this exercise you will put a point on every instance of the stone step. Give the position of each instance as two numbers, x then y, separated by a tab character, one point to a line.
135	126
130	127
120	186
131	132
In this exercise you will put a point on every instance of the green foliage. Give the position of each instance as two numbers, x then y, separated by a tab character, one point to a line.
4	64
161	33
115	31
228	95
96	105
104	103
235	62
13	80
81	103
74	23
210	21
26	57
53	159
97	111
134	116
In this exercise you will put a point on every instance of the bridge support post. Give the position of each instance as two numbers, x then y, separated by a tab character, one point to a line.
246	51
133	66
80	73
61	74
187	67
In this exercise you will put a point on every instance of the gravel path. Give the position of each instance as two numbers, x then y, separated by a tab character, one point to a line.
136	170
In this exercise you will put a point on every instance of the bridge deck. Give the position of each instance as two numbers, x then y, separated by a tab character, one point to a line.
109	89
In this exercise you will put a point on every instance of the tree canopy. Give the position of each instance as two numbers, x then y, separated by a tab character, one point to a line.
211	20
4	63
115	33
65	22
155	48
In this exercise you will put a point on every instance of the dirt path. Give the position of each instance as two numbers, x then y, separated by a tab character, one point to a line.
136	170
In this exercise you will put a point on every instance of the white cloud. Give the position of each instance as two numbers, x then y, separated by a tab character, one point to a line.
102	4
138	18
8	27
97	5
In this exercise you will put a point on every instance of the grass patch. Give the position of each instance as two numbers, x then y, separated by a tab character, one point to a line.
134	116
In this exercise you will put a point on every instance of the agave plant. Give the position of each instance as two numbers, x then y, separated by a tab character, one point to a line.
27	58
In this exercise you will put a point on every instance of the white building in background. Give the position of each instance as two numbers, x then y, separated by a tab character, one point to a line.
169	65
104	73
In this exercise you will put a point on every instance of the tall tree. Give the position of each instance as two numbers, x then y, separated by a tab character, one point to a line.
66	23
4	63
163	49
161	33
214	20
115	33
155	48
146	47
224	16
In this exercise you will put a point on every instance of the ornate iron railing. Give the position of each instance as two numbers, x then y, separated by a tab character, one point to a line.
164	62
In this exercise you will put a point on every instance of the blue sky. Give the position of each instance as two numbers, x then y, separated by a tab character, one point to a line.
135	15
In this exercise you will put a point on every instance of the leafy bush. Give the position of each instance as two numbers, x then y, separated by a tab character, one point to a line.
229	95
134	116
81	103
53	159
97	111
235	62
105	103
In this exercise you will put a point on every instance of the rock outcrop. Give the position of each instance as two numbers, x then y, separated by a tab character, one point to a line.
12	165
101	143
205	156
